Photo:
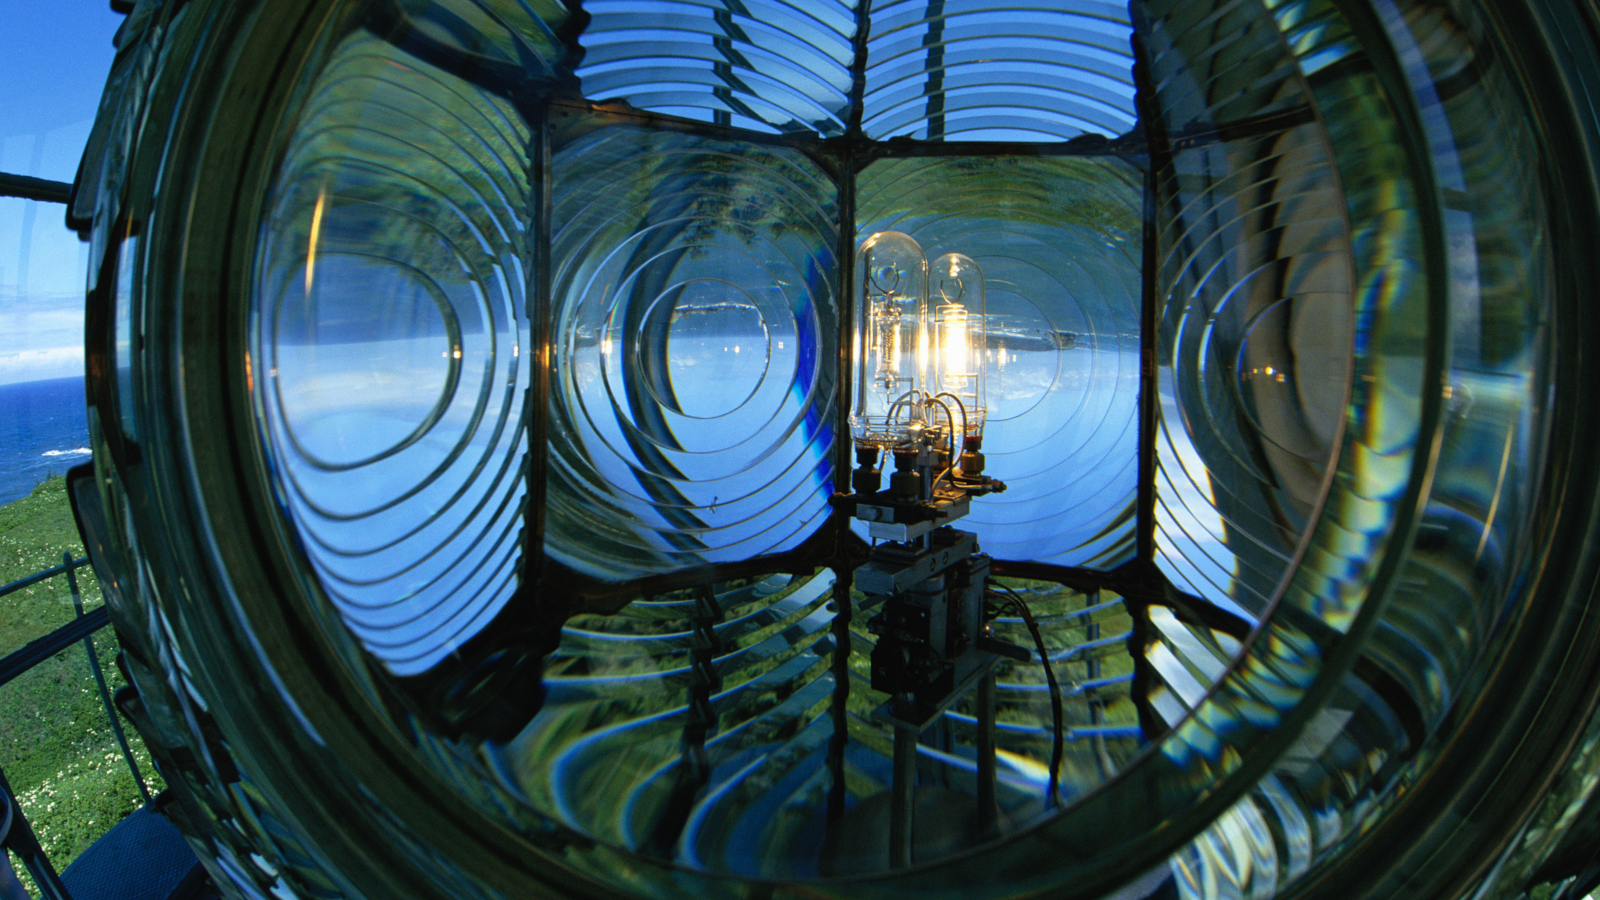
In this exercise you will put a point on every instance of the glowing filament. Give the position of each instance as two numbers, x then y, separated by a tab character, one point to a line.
953	335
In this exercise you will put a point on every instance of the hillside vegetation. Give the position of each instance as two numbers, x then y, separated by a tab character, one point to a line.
57	748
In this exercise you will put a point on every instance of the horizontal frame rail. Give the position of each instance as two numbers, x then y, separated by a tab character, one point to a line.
44	575
29	188
37	651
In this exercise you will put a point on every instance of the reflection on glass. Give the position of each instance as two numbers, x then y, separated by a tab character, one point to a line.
388	336
641	780
1359	233
692	412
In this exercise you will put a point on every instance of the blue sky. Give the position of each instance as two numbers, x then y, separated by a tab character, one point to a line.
54	57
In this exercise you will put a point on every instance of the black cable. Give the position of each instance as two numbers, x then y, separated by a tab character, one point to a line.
1057	747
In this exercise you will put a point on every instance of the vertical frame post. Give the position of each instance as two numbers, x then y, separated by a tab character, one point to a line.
541	351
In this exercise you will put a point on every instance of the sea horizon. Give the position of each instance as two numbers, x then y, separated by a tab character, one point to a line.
44	431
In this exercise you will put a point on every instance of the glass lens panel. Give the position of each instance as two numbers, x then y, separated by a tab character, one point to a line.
695	304
390	338
1059	243
770	66
978	70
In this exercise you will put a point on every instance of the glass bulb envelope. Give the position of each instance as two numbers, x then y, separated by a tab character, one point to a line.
473	383
889	347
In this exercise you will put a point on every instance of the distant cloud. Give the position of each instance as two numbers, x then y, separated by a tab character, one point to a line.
41	337
41	364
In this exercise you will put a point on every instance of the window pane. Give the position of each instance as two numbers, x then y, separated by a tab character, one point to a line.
56	56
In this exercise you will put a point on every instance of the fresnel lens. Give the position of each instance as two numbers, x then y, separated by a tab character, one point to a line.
959	449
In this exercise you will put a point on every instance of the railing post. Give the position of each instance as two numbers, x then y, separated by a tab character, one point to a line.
20	839
100	680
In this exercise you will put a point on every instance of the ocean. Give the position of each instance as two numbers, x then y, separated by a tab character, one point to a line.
43	432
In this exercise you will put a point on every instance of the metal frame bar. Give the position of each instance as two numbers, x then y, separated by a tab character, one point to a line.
1159	148
845	178
67	563
541	320
41	649
933	43
29	188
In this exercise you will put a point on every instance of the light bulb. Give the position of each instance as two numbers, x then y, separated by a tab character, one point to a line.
891	341
961	339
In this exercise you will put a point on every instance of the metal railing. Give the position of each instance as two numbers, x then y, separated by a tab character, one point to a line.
81	629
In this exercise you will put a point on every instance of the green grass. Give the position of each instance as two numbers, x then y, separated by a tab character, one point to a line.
56	745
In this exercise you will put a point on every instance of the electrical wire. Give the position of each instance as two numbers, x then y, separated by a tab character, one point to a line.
900	401
1057	745
965	422
949	417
